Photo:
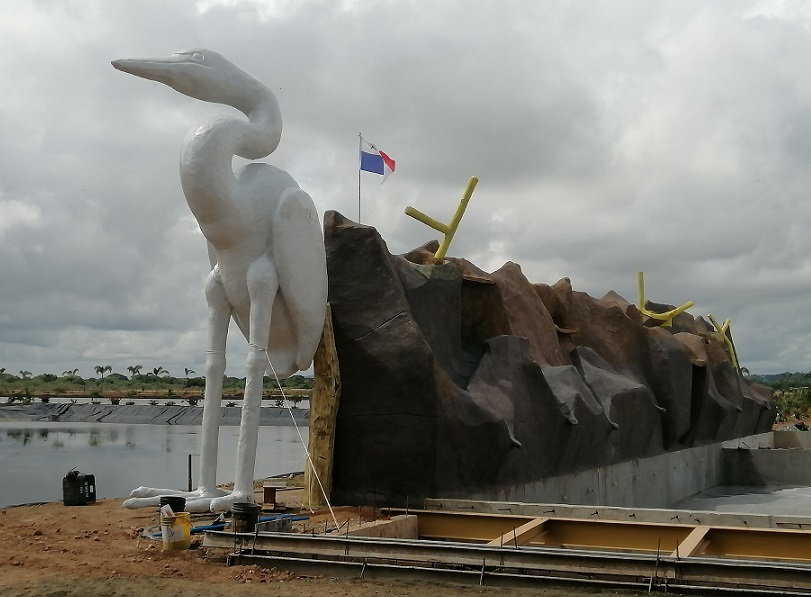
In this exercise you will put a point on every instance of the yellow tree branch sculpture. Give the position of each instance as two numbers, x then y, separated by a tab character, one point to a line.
447	229
667	317
723	334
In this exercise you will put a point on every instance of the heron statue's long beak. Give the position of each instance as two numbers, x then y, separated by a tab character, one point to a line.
155	69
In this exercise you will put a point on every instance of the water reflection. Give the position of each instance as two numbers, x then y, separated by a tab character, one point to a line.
37	455
95	437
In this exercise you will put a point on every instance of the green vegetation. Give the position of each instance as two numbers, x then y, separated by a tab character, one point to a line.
792	393
158	382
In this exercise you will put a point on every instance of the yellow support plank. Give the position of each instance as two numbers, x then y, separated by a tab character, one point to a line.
695	543
522	535
323	413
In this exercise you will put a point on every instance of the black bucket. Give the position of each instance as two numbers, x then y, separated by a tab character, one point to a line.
244	516
176	502
78	489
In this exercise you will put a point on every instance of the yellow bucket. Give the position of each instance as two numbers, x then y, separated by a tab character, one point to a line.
176	531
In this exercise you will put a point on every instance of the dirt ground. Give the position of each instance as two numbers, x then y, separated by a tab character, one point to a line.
51	550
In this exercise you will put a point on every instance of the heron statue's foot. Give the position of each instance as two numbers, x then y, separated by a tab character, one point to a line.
196	501
223	504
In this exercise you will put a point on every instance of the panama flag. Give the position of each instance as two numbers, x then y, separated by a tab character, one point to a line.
375	161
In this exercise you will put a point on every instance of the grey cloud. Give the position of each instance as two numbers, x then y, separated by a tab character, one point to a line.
608	138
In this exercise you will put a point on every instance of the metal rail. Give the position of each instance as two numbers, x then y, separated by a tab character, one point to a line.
442	561
520	550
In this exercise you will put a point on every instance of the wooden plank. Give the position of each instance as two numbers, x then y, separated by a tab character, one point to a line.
323	413
694	544
522	535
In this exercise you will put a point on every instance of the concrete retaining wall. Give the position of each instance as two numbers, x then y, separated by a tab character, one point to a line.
786	462
656	482
792	439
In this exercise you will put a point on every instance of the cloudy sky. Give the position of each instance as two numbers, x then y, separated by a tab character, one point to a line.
672	137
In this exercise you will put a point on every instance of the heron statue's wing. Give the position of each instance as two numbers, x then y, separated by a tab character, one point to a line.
300	260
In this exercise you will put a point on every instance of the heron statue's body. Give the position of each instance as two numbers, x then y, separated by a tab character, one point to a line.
265	248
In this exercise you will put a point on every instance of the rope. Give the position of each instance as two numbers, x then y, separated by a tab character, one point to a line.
301	437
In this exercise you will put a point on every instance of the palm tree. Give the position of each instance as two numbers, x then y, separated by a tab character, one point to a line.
134	370
102	369
188	371
158	371
71	372
25	374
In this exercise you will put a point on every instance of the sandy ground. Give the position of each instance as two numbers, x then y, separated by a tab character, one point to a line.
97	550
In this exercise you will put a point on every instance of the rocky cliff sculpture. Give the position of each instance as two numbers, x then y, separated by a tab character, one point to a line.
456	380
265	248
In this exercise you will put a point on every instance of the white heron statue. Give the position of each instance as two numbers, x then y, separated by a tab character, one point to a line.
268	265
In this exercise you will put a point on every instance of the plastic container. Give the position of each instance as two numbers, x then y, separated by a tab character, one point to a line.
78	489
244	516
176	502
176	531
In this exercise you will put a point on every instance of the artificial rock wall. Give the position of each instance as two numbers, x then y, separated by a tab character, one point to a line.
459	382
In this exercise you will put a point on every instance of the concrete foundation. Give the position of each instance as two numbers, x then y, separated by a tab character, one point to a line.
778	458
760	481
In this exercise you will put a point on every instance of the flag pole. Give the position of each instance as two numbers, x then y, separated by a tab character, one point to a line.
359	150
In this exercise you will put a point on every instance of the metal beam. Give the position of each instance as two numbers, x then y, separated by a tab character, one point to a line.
497	529
452	526
510	566
678	539
520	550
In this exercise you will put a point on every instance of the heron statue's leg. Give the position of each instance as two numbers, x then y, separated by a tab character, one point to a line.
263	284
219	314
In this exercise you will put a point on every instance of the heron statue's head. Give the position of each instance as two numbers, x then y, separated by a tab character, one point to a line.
202	74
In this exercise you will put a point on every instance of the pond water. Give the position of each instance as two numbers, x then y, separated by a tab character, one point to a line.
35	456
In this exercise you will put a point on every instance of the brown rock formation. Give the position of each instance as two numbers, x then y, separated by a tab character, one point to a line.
456	380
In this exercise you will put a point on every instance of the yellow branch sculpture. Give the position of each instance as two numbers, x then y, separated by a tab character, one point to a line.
667	317
721	333
447	229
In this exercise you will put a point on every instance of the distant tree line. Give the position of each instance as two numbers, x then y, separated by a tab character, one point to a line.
157	382
792	392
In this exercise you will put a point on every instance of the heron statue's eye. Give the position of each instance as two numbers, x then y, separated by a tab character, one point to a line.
198	56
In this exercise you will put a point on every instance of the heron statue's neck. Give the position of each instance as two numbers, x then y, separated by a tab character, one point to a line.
206	171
